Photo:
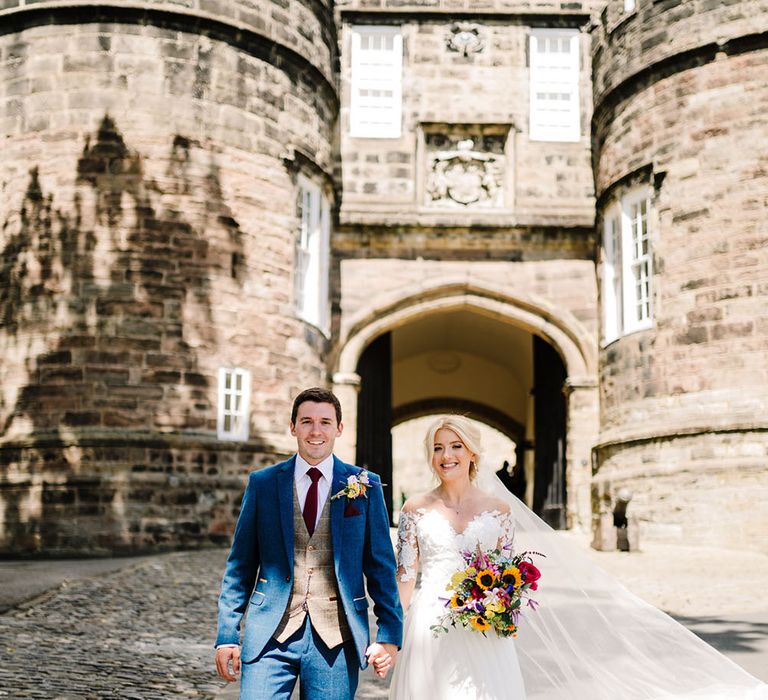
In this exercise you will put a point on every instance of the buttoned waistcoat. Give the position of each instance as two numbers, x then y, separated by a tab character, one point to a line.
315	591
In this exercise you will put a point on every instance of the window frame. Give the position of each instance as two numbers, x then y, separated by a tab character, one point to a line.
626	307
537	131
312	255
359	127
241	431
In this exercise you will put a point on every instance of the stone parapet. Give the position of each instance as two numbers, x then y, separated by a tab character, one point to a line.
629	45
301	28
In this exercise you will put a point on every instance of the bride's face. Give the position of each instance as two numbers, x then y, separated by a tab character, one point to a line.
450	456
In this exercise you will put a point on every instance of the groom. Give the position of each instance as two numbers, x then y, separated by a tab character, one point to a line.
297	563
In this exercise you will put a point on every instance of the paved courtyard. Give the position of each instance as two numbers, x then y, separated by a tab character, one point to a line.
143	628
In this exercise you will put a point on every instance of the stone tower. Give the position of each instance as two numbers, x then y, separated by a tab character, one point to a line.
681	167
159	158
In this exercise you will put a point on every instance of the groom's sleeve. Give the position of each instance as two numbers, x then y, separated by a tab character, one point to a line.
240	572
379	569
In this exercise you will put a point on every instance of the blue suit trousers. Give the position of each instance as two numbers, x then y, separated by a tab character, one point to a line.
323	673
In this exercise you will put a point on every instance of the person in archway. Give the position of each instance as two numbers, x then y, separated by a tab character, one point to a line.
309	529
513	478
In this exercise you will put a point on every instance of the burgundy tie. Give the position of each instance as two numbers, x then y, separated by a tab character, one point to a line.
310	504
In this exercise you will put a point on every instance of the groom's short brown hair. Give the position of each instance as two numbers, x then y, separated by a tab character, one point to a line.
317	395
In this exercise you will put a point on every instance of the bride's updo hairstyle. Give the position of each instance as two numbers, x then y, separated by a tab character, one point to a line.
467	433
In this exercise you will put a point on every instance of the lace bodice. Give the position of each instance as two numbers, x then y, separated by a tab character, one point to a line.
426	537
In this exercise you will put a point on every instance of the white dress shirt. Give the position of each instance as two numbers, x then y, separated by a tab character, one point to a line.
303	482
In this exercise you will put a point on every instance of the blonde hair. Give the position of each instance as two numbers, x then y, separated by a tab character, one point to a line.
467	433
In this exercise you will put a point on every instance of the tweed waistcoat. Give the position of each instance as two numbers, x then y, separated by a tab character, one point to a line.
315	591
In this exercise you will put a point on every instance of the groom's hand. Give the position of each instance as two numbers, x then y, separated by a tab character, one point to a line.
225	656
382	656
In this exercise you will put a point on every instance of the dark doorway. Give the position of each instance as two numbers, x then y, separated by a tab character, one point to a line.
549	443
374	413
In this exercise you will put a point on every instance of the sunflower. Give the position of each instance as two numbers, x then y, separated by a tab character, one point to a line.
479	623
512	576
457	601
486	578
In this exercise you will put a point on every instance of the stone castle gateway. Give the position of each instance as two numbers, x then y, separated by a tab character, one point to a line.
549	216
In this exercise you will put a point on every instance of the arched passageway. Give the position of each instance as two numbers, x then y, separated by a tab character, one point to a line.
497	361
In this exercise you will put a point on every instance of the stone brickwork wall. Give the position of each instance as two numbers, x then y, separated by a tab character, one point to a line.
148	231
683	404
447	92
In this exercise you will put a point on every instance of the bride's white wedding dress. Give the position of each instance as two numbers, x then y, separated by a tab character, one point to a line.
590	638
462	664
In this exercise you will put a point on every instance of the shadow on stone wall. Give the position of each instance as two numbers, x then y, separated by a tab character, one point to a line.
103	306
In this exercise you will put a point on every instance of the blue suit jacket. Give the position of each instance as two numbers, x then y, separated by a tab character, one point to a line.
259	571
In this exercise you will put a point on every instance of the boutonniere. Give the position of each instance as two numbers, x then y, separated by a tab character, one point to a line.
357	485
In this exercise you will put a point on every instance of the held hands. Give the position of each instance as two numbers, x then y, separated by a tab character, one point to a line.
225	656
382	657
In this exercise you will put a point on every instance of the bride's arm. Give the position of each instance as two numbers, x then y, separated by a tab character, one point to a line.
407	557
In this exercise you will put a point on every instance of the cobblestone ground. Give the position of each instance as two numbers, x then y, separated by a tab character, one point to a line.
145	632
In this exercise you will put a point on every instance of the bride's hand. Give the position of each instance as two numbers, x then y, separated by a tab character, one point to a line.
382	656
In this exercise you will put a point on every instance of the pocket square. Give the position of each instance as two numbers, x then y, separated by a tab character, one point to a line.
350	510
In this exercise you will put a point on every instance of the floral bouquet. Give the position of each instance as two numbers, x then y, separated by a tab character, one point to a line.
490	590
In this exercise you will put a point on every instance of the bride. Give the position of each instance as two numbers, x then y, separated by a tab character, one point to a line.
589	638
432	531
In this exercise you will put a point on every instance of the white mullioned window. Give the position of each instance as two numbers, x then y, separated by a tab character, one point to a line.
311	297
233	404
627	266
554	85
377	76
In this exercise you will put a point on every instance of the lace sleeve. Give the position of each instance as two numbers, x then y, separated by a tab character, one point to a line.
507	536
407	547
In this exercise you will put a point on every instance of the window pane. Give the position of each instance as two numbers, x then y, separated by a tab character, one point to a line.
554	92
376	63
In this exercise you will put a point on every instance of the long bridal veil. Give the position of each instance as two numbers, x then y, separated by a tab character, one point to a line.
591	639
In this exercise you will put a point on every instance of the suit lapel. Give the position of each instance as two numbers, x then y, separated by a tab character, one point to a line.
285	481
337	509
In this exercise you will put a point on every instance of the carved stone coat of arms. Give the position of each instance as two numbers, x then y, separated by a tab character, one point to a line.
464	176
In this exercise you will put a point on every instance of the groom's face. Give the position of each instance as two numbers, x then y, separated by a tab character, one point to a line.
315	430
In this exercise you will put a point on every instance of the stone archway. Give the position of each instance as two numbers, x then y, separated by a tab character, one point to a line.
538	317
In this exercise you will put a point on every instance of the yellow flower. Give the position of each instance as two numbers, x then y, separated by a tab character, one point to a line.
485	579
497	607
353	490
512	576
479	623
456	579
457	601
